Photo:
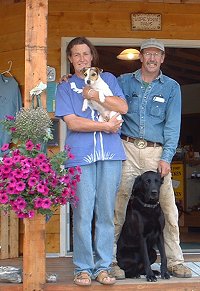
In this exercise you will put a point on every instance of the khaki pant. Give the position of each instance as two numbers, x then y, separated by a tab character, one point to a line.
138	161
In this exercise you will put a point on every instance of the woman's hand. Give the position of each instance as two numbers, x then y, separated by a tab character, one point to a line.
89	93
113	125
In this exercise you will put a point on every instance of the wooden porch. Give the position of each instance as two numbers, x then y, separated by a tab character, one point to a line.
63	267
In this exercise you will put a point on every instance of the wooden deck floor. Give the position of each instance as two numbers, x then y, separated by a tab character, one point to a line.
63	267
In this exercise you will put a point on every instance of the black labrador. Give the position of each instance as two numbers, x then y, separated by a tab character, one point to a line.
143	230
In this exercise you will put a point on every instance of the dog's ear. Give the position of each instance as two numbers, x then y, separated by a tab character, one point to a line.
158	171
83	70
161	178
99	70
136	184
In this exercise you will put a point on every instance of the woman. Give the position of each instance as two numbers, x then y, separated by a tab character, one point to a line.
97	148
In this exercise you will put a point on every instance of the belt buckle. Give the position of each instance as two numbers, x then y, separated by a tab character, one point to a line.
140	143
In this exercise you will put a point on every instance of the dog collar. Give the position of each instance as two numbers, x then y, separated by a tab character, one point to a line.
147	205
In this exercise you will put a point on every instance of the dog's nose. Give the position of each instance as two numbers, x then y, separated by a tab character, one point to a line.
88	82
154	194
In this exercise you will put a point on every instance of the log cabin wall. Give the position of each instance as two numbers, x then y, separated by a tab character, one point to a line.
92	18
100	18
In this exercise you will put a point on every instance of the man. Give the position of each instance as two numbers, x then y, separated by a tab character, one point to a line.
150	134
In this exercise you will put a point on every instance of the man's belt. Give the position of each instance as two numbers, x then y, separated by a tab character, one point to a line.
140	143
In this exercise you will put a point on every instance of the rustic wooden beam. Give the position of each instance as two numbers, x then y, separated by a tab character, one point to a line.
34	260
35	47
34	256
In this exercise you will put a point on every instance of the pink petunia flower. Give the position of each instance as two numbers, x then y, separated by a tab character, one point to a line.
46	190
13	129
38	146
38	203
17	173
44	167
71	171
11	189
4	198
32	181
5	147
46	203
20	203
41	157
21	214
29	145
40	188
71	156
20	186
31	214
78	168
10	117
7	161
6	169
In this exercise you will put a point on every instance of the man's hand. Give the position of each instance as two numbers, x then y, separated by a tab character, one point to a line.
164	168
64	78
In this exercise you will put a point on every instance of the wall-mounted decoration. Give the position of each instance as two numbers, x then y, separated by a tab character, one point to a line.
51	74
55	131
51	96
145	21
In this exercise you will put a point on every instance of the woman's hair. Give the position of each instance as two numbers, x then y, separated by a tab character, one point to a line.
83	40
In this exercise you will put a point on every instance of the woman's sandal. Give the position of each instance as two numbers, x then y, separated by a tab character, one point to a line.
105	279
82	279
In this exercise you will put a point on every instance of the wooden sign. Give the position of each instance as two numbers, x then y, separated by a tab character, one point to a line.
145	21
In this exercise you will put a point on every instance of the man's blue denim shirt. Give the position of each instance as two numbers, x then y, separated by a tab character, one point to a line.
154	112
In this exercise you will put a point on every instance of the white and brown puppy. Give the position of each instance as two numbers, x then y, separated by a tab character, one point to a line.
94	80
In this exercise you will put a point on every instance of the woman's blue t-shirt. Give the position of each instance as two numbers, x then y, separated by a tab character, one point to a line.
87	147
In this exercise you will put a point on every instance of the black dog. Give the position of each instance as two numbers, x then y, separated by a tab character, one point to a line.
143	230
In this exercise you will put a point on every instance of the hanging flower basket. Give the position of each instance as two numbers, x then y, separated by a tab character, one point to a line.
30	181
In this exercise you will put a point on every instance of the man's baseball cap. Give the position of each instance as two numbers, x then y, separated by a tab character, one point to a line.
152	42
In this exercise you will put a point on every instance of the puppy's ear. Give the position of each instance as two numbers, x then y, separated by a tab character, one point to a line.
83	70
99	70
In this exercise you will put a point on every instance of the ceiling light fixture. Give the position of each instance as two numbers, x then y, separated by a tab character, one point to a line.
129	55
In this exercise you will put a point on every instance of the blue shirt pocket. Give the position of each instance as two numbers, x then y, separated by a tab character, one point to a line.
157	109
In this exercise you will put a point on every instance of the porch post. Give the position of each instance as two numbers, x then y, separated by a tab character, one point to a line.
34	267
34	256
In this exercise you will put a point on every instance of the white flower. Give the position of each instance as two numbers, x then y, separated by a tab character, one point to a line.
38	89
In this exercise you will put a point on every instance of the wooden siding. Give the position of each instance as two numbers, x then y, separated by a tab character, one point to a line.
9	235
100	18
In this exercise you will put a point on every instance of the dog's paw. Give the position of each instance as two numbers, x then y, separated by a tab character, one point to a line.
84	108
156	273
151	278
101	119
165	275
85	104
102	97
